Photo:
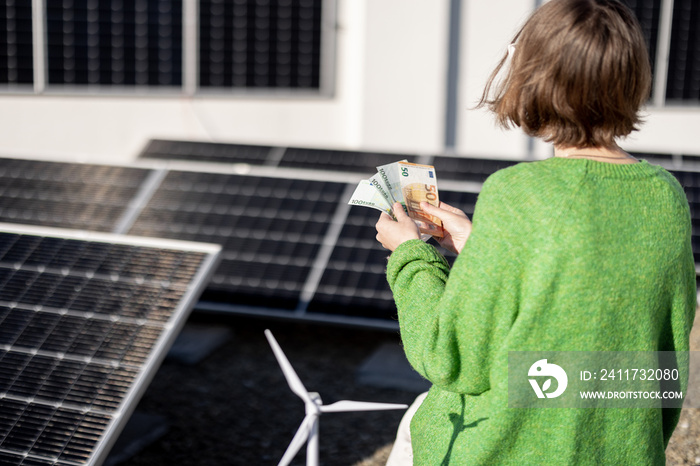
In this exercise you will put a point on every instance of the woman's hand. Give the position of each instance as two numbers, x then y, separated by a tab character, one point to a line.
391	233
455	222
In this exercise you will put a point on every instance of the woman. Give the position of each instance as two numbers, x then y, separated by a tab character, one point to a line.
586	251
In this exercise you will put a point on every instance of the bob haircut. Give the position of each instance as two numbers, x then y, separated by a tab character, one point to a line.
578	75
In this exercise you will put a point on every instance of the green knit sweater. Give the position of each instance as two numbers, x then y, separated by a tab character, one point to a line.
564	255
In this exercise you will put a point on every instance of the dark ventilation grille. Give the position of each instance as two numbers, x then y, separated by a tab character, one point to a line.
115	42
684	60
260	44
648	14
691	185
16	65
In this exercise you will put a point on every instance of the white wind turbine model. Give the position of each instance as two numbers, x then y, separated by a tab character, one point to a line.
314	407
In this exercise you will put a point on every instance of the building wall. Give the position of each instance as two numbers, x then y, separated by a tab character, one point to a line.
390	93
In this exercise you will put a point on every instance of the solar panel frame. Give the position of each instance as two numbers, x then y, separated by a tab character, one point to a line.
88	438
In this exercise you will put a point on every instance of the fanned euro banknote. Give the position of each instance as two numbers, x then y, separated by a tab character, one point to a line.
407	183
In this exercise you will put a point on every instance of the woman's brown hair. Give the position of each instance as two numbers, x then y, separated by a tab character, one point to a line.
578	75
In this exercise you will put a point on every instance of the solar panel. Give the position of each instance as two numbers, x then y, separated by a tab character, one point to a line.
291	246
653	157
67	195
462	200
271	230
691	185
85	319
211	152
468	169
354	281
339	160
291	157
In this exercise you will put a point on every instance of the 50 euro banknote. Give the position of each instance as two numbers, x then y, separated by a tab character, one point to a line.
407	183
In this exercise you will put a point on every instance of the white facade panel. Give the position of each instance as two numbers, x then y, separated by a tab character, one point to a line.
405	75
487	29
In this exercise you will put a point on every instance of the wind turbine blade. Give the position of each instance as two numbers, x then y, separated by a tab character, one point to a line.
292	378
346	405
298	441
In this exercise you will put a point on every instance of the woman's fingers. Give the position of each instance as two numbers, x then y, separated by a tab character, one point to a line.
455	222
445	210
391	234
383	218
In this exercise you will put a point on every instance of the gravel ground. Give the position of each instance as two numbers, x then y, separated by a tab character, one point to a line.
235	408
684	448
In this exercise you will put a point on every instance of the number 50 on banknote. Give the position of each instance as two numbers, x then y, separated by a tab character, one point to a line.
407	183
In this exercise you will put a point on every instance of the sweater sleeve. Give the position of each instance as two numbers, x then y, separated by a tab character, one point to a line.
451	327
